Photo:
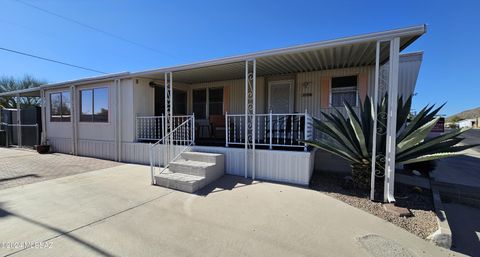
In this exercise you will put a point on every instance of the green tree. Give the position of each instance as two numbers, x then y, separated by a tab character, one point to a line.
8	83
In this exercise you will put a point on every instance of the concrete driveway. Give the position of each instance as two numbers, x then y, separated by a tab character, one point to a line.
115	212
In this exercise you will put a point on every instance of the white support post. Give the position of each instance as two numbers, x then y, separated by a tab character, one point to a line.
43	116
193	128
250	113
392	121
305	132
171	142
270	125
73	119
226	129
19	122
246	119
374	131
166	123
254	112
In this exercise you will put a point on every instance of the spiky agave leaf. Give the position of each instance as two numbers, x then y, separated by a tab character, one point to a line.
431	143
420	134
430	157
350	136
357	129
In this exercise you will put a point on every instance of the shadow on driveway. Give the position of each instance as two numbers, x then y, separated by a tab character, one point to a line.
5	213
465	225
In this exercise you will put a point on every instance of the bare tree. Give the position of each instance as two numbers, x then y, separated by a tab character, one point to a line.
8	83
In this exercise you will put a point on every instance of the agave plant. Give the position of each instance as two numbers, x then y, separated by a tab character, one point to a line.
350	137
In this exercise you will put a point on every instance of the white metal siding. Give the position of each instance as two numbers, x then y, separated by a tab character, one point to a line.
281	166
309	82
97	149
60	145
237	94
409	69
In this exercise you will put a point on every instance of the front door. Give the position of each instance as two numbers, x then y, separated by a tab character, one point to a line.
280	96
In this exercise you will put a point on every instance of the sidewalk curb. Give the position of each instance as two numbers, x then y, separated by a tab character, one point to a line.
443	236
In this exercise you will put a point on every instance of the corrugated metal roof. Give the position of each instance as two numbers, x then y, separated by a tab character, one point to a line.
332	54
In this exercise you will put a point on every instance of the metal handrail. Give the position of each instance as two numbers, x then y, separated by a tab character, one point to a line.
189	141
168	135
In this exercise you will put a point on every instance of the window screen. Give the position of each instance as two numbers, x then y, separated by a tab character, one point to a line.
200	103
94	105
215	101
60	107
344	89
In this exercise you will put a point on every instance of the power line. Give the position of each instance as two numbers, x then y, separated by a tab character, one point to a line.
51	60
95	29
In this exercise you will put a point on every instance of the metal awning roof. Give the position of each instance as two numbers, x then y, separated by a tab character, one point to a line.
33	92
28	92
331	54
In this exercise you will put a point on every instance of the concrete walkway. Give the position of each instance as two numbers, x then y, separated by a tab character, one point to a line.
115	212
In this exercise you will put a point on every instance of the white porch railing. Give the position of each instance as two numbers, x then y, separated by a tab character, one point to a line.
272	129
169	147
152	127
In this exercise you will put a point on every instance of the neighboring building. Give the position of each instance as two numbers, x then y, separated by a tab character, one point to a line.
118	116
468	123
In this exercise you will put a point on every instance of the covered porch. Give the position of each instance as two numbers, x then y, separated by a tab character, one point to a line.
267	100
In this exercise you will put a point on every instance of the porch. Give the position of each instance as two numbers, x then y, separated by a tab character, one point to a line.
267	100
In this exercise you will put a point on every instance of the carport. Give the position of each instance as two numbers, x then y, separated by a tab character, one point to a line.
20	122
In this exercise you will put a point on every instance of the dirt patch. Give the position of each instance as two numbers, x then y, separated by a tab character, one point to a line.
422	224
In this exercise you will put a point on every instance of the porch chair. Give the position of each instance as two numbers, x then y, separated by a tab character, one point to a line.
217	123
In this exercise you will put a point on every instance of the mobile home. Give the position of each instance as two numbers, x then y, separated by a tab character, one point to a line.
254	109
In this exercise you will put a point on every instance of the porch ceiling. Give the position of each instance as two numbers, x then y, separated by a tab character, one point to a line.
329	56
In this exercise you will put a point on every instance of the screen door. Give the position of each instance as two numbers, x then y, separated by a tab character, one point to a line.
280	98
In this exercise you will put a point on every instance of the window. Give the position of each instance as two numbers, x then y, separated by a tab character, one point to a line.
179	102
60	107
215	101
344	89
200	103
94	105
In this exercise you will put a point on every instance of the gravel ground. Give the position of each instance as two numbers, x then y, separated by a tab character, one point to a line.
422	224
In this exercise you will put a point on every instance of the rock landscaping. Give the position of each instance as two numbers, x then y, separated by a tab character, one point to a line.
418	201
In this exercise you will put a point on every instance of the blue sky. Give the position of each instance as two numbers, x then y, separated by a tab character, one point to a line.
186	31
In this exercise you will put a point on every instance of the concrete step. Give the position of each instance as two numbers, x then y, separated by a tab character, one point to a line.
195	168
203	157
180	181
192	172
